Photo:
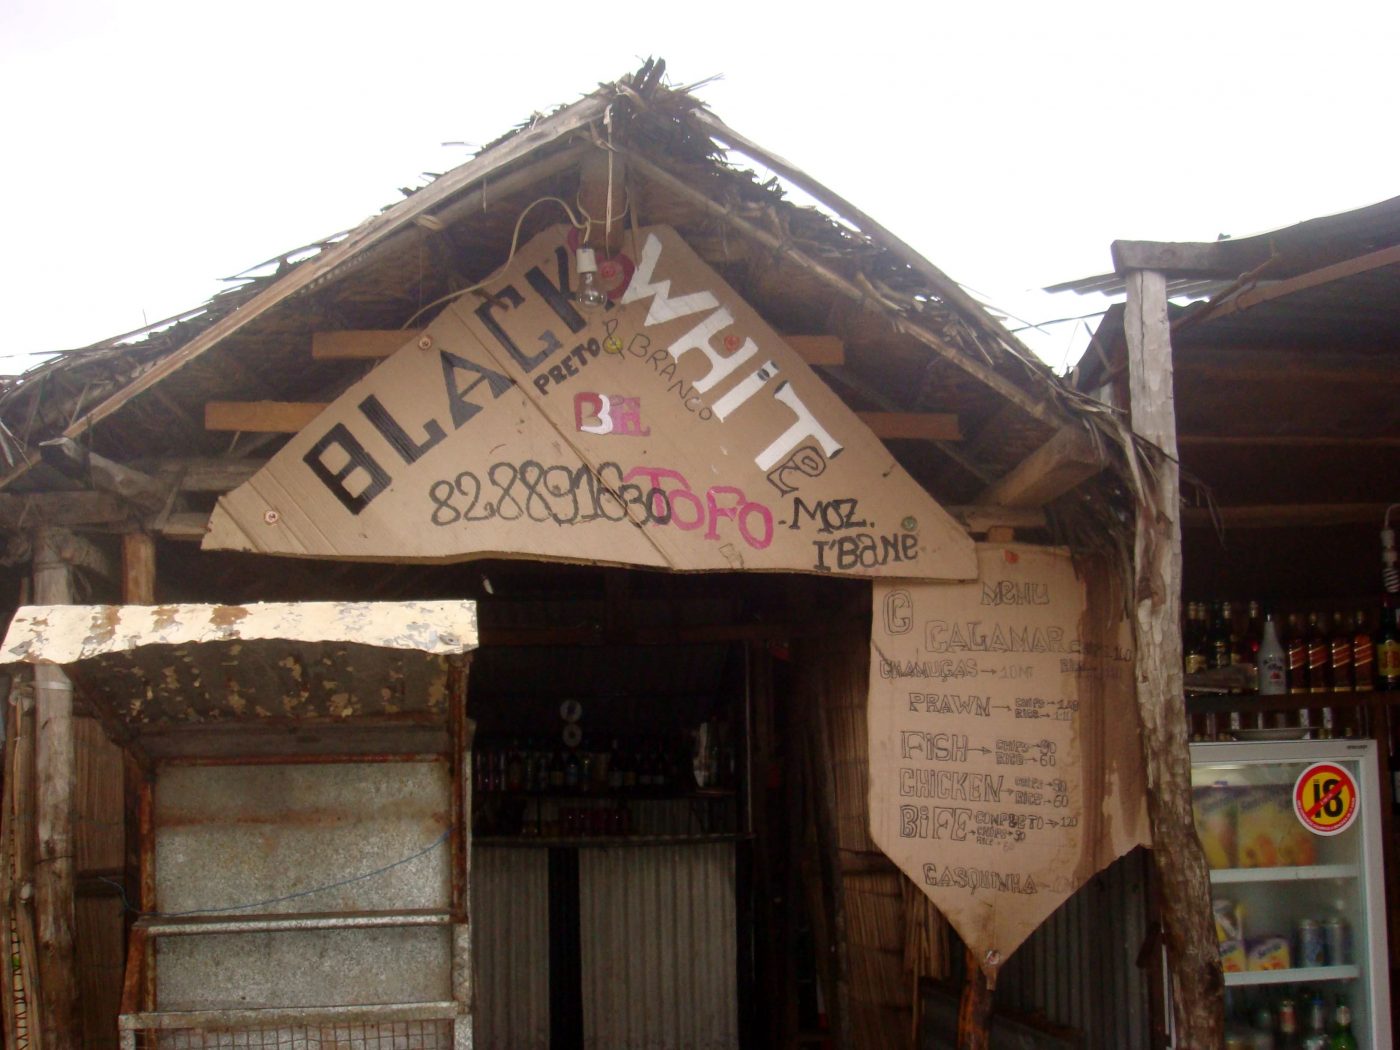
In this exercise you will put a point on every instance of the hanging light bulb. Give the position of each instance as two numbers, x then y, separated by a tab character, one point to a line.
590	294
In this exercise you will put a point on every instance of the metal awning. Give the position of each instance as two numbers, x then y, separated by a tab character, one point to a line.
169	674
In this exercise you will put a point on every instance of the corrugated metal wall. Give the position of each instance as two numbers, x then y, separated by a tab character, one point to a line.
1080	968
226	836
657	927
510	947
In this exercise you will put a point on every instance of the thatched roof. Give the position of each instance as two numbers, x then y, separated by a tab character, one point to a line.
915	341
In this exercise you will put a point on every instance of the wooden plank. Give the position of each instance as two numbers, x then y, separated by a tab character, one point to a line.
361	344
1182	258
914	426
213	475
1285	515
1039	407
1286	367
54	877
18	511
1060	464
826	350
138	569
973	312
1193	961
67	456
371	344
1288	441
1312	279
975	1008
981	517
261	417
81	553
190	525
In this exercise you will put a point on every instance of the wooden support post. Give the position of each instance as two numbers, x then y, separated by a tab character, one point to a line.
1193	961
53	805
459	837
138	568
975	1008
822	781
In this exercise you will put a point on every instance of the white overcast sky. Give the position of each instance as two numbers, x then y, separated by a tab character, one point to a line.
154	147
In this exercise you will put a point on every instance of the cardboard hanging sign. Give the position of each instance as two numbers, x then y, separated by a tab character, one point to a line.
1005	757
671	428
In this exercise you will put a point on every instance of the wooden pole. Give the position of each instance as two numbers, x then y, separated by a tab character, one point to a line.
138	568
1193	961
53	803
975	1008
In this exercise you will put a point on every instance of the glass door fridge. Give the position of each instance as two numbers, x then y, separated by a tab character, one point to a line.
1291	832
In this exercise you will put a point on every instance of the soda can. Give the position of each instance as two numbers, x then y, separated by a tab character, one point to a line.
1338	937
1312	946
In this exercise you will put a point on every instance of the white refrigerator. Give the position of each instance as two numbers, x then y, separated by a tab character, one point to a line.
1291	831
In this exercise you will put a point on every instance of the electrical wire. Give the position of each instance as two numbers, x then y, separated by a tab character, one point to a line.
514	244
278	900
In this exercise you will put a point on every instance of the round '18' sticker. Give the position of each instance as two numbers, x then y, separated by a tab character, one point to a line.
1325	798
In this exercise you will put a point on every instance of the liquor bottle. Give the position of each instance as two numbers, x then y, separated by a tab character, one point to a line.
1273	661
1341	661
1315	1033
1319	654
1247	649
1363	655
1288	1035
571	771
1297	647
1221	646
1388	648
1342	1039
1194	638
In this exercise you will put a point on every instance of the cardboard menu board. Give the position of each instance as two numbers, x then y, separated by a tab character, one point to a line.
668	427
1005	758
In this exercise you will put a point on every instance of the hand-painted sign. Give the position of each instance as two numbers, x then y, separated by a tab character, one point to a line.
671	427
1325	798
1005	764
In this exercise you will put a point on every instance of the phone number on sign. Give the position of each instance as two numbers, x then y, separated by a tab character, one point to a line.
564	495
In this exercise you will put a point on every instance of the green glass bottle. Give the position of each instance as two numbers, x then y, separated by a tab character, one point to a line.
1342	1039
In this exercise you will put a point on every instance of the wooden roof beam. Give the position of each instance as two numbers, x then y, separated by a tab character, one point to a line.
1043	409
374	344
1287	441
289	417
1285	366
1067	459
69	458
1312	279
1285	515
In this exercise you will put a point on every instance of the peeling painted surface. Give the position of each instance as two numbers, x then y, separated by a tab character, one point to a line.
65	634
173	665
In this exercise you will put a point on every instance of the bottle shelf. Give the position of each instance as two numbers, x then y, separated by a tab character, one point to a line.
610	795
1315	872
603	841
1300	975
1223	703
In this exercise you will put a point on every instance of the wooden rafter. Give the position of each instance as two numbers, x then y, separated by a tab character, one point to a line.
1044	410
375	344
1057	466
288	417
1313	279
